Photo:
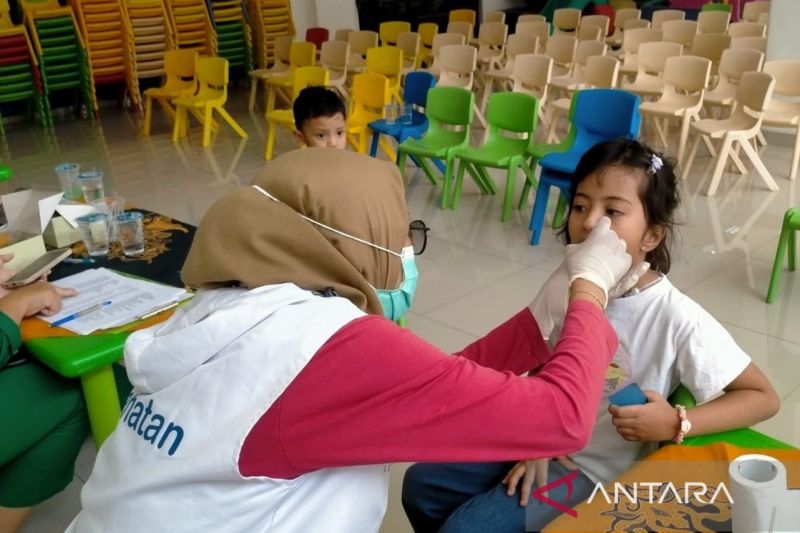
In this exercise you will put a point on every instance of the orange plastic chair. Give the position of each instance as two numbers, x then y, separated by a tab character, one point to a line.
180	67
303	77
212	76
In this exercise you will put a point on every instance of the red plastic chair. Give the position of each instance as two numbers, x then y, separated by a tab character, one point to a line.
317	36
607	10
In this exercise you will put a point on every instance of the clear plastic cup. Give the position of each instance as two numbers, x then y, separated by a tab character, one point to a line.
406	114
94	232
92	186
391	113
68	178
130	232
113	206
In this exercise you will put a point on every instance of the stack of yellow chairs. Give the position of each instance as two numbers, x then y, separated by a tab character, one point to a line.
234	41
192	26
151	37
269	19
107	32
60	50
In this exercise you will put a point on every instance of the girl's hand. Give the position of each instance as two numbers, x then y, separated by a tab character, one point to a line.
654	421
531	471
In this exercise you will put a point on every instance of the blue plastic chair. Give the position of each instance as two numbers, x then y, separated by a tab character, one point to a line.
597	115
415	92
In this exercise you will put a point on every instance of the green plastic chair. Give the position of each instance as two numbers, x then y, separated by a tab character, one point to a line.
714	6
791	223
508	113
450	116
743	437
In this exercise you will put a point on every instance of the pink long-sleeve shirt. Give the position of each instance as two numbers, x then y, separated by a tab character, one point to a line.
375	393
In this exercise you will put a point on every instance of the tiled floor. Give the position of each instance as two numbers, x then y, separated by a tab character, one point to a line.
476	271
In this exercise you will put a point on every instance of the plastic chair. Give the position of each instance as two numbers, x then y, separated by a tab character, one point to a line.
583	51
649	80
180	68
491	40
450	112
389	31
318	36
511	119
589	33
415	92
303	77
538	29
516	45
370	94
685	80
744	124
786	113
787	241
387	61
711	46
411	45
562	49
620	18
212	77
342	35
441	40
463	15
680	31
494	16
335	58
596	115
458	63
528	17
763	19
600	21
747	29
631	41
532	74
713	21
754	43
461	27
427	31
732	65
360	42
663	15
301	54
281	52
752	10
566	20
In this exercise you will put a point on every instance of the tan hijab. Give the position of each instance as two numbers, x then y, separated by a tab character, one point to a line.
248	239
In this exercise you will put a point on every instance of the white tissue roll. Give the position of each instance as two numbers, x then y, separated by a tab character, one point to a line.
761	499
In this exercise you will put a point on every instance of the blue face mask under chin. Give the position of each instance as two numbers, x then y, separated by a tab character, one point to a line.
397	302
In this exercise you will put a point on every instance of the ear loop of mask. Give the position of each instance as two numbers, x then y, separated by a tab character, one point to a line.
325	226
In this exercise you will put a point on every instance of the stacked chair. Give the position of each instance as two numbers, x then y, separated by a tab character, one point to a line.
192	25
108	37
151	37
19	72
60	50
270	19
234	41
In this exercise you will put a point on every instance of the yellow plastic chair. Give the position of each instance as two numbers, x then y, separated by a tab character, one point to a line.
370	94
180	68
463	15
212	77
389	31
387	61
301	54
427	31
744	124
302	78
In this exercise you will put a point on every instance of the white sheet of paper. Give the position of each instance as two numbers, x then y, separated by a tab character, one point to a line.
130	298
29	211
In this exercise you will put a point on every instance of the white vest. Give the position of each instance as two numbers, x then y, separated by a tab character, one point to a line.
201	381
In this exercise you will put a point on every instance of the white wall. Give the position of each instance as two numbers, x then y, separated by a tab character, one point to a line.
331	14
783	39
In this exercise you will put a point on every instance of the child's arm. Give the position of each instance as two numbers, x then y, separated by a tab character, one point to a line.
748	399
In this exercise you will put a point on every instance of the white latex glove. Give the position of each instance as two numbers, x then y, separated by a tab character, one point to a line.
600	259
550	305
629	280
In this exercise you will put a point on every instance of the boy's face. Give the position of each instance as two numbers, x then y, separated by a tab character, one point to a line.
325	132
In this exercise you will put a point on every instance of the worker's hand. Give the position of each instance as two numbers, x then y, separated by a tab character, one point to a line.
601	259
550	305
39	297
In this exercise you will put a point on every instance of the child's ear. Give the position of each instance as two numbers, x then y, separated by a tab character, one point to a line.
298	135
653	237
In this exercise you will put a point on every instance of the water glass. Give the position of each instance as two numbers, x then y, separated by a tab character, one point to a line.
113	206
130	232
92	186
406	115
392	111
94	232
68	178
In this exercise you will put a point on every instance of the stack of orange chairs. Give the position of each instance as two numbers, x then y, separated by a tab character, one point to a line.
107	33
269	19
192	25
152	35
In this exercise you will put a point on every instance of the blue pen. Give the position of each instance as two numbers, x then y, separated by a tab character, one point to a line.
82	312
79	260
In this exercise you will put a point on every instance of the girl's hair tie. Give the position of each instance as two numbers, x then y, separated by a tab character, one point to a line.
656	163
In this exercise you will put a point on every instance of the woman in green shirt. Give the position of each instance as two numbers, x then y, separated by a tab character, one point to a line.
42	416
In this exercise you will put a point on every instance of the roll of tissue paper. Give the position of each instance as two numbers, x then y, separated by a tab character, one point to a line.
761	500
